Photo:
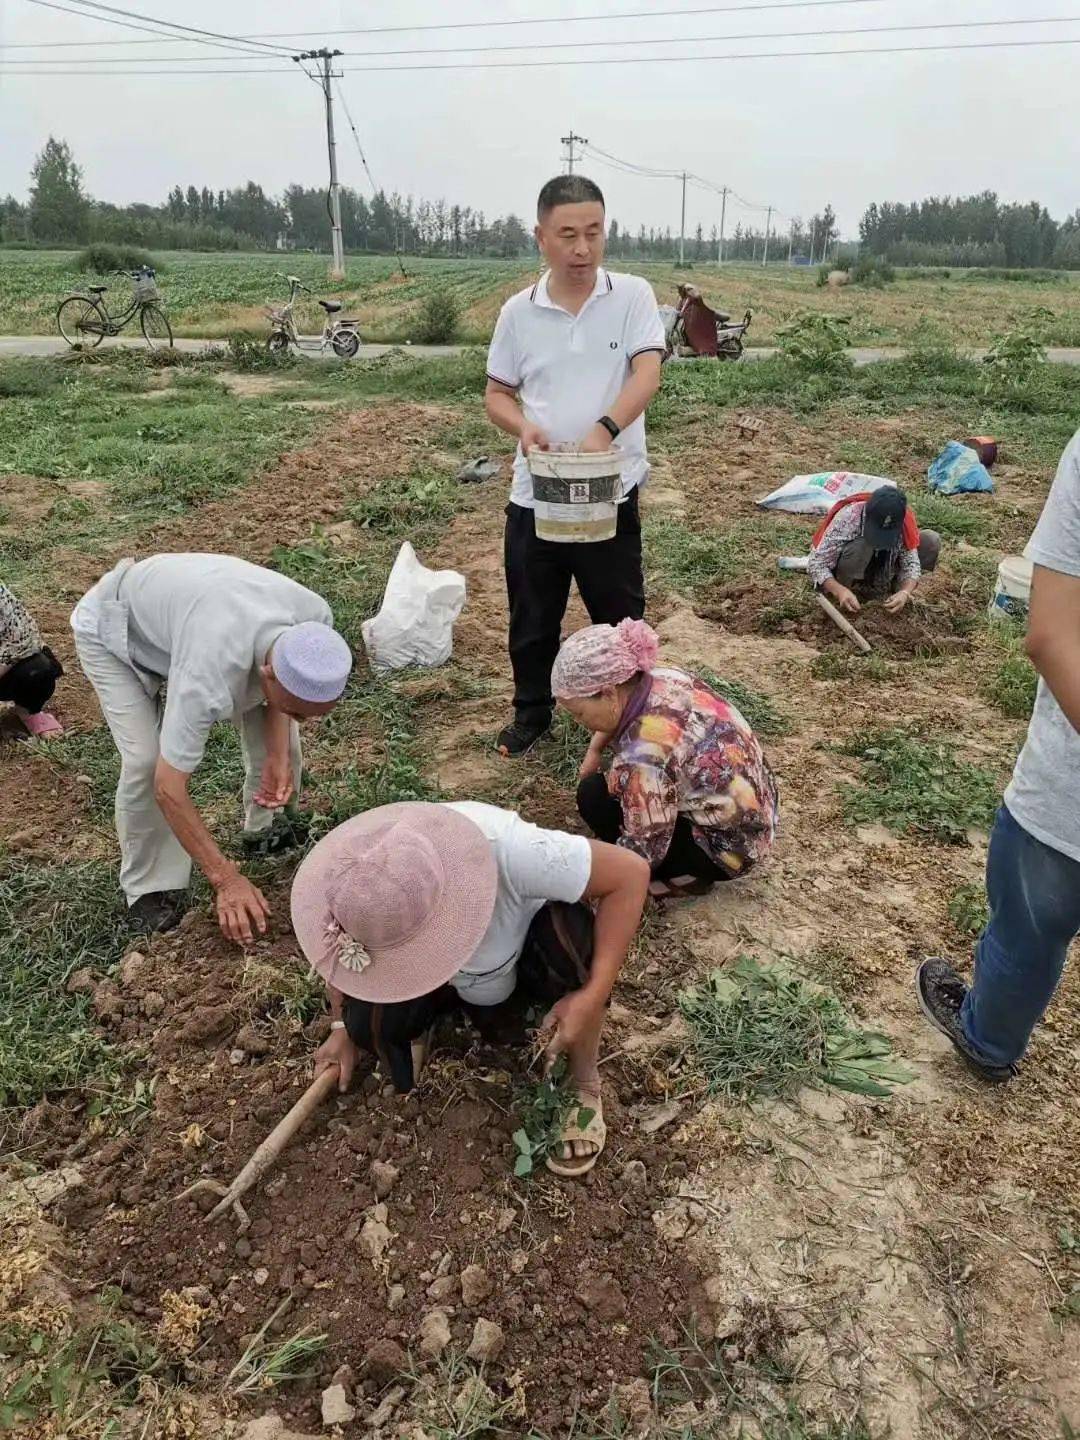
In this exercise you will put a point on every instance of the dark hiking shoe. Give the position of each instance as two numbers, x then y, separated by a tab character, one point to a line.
287	832
157	912
519	737
940	993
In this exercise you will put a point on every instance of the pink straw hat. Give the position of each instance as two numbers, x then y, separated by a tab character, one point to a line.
394	902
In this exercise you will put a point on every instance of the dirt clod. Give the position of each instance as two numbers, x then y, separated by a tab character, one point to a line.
375	1235
443	1288
487	1341
81	982
475	1285
434	1334
383	1177
602	1296
634	1175
383	1362
335	1406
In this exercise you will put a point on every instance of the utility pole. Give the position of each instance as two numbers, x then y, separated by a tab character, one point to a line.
568	141
813	242
768	227
790	241
337	269
723	213
682	224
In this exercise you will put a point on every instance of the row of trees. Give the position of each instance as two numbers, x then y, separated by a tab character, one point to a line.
971	230
59	211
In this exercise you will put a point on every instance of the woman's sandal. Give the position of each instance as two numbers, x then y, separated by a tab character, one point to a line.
594	1133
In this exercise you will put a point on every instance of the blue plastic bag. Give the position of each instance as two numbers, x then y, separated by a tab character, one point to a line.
958	470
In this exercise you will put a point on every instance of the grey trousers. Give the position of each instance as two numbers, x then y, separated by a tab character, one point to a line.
151	857
851	568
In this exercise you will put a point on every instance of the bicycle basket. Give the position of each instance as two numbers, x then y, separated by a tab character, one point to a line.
144	286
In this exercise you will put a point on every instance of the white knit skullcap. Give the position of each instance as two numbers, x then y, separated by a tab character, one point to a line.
312	662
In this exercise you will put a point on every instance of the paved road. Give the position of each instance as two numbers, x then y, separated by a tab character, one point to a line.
54	345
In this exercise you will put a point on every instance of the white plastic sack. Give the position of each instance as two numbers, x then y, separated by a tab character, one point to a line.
416	623
817	494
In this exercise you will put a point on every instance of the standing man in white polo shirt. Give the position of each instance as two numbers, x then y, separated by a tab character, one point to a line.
575	358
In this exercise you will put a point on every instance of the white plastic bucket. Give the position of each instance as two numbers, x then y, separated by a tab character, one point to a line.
576	493
1012	593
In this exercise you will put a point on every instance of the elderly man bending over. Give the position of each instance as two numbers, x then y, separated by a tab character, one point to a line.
171	645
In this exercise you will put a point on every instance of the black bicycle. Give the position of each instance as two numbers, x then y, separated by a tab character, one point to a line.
84	319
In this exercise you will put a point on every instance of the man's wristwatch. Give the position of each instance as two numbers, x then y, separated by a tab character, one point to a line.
610	426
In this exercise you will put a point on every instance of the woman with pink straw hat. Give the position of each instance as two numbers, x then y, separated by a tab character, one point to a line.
397	904
688	788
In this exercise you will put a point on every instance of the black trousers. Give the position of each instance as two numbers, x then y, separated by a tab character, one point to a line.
556	959
603	815
538	575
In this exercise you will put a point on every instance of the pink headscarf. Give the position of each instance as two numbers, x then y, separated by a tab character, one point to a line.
602	655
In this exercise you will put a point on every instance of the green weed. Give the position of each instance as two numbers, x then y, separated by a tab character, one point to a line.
764	1032
266	1364
414	507
968	909
955	518
439	318
762	713
544	1107
563	748
1012	684
451	1401
918	786
54	920
843	664
816	342
1012	362
688	559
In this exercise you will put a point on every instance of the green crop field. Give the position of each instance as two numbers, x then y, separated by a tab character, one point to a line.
211	295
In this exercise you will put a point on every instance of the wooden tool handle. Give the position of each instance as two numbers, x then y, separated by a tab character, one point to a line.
842	623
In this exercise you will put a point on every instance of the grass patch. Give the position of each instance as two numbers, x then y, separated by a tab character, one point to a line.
352	585
968	909
842	664
953	518
688	560
763	1032
53	920
763	714
1012	683
413	507
919	787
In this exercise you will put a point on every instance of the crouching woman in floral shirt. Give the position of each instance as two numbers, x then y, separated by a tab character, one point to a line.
688	787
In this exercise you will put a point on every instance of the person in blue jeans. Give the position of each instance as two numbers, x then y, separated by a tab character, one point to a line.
1033	868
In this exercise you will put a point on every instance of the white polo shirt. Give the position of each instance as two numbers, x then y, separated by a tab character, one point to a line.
569	369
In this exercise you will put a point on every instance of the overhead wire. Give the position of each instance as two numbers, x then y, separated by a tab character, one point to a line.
608	43
752	5
948	47
356	137
99	5
161	35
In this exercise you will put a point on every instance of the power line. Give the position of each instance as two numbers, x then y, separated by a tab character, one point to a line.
162	35
175	25
607	44
554	64
356	137
486	24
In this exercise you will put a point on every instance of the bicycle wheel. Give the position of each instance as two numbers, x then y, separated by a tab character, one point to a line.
346	343
80	322
156	327
277	343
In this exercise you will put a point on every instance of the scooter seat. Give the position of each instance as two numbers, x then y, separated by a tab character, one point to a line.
331	306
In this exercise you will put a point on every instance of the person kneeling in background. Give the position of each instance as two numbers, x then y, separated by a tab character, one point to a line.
689	788
411	908
28	669
869	546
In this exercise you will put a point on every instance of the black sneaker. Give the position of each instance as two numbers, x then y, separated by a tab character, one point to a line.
157	912
519	737
940	993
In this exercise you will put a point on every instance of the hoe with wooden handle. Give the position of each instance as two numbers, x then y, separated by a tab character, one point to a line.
267	1153
842	623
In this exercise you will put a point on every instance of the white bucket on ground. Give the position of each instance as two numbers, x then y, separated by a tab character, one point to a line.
1012	593
575	493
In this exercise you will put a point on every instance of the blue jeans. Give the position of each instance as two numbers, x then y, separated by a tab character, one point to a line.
1034	897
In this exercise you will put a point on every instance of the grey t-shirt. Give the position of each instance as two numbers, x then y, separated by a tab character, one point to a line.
1044	795
204	623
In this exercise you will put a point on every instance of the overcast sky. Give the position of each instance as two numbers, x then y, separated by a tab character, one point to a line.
794	132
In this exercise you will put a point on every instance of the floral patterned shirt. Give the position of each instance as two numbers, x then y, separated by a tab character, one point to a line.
19	634
845	527
683	749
